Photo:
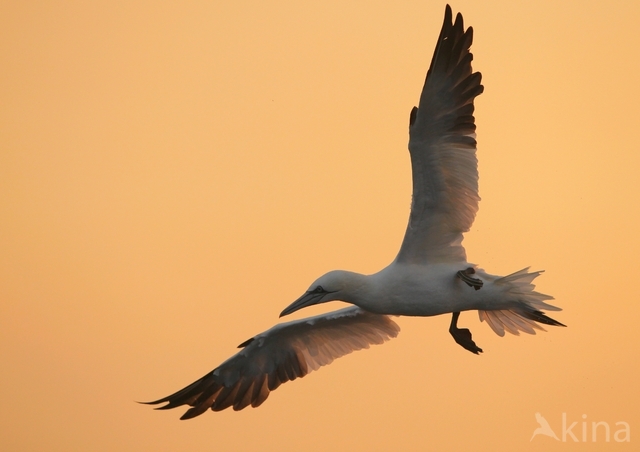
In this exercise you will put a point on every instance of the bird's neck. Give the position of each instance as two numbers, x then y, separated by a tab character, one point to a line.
357	289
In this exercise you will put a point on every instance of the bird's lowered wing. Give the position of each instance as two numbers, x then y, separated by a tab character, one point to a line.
285	352
443	152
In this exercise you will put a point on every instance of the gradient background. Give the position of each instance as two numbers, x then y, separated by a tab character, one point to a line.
173	175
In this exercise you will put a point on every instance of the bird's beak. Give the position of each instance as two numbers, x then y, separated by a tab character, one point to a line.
308	299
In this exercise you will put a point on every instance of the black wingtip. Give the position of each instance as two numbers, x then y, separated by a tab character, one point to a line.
448	14
245	343
155	402
192	412
459	21
168	406
413	115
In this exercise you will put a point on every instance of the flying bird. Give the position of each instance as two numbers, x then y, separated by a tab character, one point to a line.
429	276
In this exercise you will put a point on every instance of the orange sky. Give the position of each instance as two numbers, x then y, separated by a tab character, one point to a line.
171	177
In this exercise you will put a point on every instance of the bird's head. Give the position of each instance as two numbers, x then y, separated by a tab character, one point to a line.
335	285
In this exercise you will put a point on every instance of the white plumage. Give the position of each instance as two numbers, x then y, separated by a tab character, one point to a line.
430	275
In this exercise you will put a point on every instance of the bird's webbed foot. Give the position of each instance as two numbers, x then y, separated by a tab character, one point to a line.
465	275
462	336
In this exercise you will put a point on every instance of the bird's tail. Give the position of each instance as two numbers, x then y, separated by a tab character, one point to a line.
527	314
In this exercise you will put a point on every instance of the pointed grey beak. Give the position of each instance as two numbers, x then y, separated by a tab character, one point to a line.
308	299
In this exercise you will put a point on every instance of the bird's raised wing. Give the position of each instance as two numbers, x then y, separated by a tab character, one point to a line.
443	152
285	352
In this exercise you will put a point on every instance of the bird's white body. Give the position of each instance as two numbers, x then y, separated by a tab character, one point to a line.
425	290
430	275
412	289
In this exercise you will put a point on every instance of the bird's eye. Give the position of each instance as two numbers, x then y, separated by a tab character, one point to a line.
319	289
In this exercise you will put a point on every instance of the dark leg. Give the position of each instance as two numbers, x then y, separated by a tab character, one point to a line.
465	275
462	335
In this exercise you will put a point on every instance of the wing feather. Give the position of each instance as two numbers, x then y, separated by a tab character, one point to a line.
283	353
442	146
